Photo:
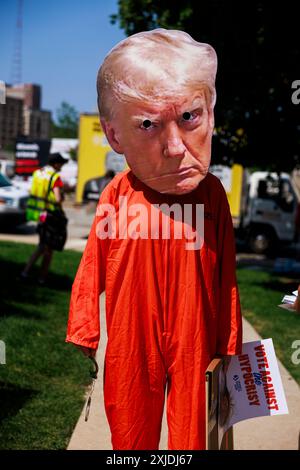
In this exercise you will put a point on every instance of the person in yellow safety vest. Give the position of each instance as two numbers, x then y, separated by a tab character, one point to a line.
42	197
46	196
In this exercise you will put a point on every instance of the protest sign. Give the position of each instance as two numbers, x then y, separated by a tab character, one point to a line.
243	387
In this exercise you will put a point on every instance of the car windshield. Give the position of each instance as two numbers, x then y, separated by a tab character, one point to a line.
4	181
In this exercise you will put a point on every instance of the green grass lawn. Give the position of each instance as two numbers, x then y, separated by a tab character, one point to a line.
43	382
260	294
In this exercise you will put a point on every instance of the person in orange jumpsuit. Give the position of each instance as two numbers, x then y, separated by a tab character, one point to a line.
161	244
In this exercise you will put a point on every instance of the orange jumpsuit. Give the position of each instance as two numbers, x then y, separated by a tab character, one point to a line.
169	311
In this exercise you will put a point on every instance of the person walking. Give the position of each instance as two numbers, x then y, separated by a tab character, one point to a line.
45	202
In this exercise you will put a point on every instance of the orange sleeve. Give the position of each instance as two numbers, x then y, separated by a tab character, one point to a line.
84	316
229	335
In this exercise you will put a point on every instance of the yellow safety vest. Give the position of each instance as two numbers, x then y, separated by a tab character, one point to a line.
42	197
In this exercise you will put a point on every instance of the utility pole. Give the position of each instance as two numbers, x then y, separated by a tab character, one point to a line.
16	69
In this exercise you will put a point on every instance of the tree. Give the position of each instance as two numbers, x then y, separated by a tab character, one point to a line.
67	122
258	52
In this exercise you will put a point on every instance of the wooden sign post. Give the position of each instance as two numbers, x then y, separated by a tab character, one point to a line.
212	395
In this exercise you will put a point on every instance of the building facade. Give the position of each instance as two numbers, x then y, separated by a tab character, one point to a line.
22	115
11	121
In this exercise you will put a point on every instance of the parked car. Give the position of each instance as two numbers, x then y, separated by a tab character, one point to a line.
13	202
7	168
94	187
22	182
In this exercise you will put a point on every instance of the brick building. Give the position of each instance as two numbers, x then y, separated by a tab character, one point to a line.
11	121
22	114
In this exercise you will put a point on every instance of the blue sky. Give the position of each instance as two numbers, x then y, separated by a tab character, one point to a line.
63	44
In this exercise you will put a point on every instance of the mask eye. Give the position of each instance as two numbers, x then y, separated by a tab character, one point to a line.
187	116
191	118
146	124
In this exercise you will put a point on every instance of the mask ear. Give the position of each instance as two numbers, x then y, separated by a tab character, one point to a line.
110	133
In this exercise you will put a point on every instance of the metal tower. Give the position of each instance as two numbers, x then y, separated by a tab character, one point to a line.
16	69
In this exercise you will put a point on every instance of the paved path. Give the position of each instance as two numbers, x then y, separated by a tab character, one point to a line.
80	221
265	433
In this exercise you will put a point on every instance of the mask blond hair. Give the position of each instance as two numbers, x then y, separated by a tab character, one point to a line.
156	66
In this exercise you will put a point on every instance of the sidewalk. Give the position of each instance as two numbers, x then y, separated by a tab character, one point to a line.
265	433
79	225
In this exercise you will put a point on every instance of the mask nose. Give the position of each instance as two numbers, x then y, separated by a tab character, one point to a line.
174	147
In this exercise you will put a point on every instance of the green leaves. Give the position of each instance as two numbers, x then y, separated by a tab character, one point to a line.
67	121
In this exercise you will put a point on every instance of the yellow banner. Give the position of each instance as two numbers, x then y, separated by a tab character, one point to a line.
235	194
95	156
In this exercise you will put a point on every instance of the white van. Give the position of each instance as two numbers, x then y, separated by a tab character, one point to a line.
263	206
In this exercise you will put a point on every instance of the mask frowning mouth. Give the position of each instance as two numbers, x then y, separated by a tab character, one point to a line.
184	171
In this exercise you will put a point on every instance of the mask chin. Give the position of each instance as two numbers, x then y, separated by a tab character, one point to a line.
178	192
174	190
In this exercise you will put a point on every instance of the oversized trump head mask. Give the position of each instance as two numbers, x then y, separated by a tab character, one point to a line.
156	95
